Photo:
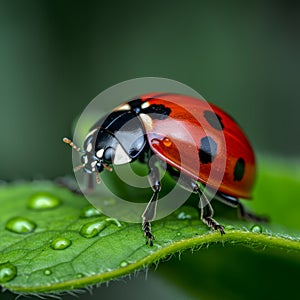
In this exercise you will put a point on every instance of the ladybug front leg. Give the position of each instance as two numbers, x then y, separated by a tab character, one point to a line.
150	211
207	211
67	183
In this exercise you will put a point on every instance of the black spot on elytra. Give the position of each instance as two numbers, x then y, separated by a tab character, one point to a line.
208	150
213	119
157	111
239	170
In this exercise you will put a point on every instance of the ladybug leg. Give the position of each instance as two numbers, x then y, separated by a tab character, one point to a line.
242	212
206	210
65	182
150	211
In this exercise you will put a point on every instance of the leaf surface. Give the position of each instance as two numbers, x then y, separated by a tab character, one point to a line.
60	243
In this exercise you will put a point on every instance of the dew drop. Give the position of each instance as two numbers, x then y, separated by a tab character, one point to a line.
186	213
89	211
256	228
178	233
20	225
42	201
183	216
60	243
79	275
47	272
7	272
124	263
92	229
229	227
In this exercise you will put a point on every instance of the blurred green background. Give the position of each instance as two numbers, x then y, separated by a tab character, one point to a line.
56	56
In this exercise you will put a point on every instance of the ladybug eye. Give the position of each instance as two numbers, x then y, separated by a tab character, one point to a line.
108	155
99	167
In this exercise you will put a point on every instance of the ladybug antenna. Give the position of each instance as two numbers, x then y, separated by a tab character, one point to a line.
98	179
106	167
69	142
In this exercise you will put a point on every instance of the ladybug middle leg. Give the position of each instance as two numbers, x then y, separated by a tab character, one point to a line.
150	211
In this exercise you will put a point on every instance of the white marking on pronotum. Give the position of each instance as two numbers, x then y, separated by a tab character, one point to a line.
121	157
89	147
123	107
99	153
147	121
145	105
93	164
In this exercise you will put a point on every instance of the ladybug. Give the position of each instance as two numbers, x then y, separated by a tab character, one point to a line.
157	124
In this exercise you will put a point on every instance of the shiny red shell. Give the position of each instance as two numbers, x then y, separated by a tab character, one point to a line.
177	138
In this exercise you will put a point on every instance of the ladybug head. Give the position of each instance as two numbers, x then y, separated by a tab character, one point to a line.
116	139
90	162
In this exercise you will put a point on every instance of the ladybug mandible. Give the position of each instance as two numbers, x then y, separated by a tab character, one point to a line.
111	142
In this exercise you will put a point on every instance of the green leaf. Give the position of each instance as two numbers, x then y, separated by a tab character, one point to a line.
52	241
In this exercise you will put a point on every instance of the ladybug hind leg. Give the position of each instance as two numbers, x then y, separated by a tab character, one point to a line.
242	212
206	210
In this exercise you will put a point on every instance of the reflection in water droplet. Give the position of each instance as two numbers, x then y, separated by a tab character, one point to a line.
123	263
20	225
256	229
7	272
42	201
60	243
47	272
89	211
92	229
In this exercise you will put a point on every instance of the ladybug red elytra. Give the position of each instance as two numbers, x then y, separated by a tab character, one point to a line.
157	123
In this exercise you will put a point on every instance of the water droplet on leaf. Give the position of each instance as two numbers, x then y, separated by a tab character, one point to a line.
123	263
42	201
60	243
7	272
256	229
186	213
229	227
92	229
47	272
20	225
79	275
89	211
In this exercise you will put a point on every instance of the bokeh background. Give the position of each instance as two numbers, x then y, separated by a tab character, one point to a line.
56	56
